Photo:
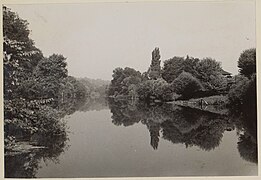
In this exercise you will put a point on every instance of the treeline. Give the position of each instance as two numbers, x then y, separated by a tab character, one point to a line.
33	85
179	78
95	88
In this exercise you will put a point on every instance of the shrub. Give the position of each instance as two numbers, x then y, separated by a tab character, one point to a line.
243	92
186	85
158	89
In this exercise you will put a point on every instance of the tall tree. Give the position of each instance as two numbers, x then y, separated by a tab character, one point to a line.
155	69
247	62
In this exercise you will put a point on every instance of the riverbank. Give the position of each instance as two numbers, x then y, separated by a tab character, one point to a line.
215	104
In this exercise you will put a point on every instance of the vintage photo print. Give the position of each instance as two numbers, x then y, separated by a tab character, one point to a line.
129	89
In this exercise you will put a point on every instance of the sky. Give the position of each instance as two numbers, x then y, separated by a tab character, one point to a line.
98	37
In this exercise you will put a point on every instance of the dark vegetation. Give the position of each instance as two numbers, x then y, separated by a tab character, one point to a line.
186	78
38	92
179	78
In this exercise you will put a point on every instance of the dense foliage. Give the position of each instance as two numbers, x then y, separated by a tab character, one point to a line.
186	85
207	71
34	85
179	78
20	56
247	62
172	68
154	89
242	94
124	81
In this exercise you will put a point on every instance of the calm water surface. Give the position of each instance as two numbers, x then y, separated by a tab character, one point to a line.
127	140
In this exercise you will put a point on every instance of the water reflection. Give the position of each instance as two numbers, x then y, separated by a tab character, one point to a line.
24	158
188	126
26	164
246	123
178	125
46	146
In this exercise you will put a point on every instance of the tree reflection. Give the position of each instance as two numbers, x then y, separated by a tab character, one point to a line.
26	164
188	126
195	128
247	148
246	123
47	144
154	129
96	104
124	112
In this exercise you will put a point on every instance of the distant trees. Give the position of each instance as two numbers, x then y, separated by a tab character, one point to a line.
247	62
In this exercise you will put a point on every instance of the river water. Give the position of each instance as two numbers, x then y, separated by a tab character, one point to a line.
121	139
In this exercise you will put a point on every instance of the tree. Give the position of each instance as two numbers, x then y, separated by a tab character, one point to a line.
123	79
190	65
243	93
186	85
47	78
155	69
53	67
20	54
158	89
207	71
144	90
209	74
247	62
172	68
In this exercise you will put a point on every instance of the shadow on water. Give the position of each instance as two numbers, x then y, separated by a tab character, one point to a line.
189	126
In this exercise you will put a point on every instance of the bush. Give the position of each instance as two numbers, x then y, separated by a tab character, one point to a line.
158	89
186	85
243	92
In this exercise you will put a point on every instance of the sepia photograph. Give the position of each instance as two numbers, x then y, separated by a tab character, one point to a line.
130	89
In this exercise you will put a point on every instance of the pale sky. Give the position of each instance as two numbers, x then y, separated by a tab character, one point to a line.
98	37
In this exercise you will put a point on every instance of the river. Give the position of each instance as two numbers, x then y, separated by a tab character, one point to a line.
121	139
